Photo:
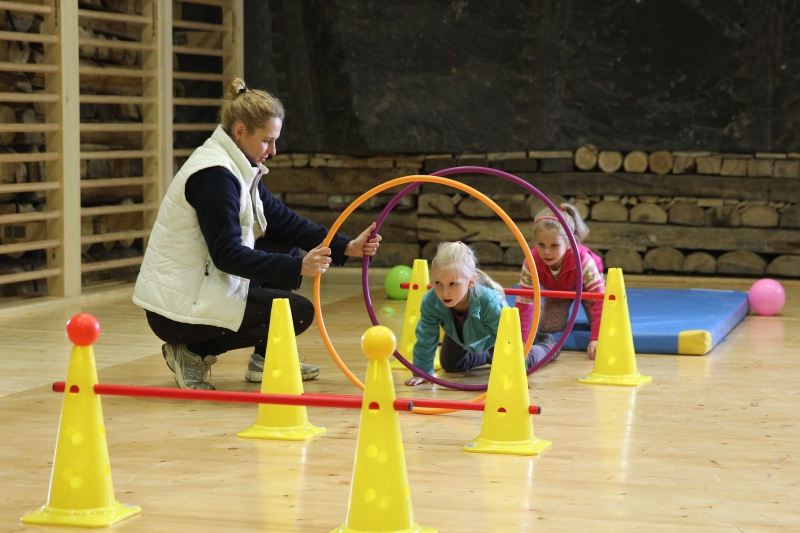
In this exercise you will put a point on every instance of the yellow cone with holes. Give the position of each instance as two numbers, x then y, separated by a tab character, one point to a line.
81	491
281	376
615	361
507	423
380	497
417	287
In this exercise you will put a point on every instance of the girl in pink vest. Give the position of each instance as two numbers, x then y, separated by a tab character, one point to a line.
555	266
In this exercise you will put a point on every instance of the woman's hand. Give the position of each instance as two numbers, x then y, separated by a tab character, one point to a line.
416	380
363	245
592	349
316	261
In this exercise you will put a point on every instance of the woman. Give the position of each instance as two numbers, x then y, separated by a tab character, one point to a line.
223	248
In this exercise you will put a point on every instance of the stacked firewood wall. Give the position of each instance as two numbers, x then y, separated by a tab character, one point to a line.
663	212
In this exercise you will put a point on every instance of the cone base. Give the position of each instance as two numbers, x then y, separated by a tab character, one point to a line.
306	432
630	380
533	446
414	529
101	517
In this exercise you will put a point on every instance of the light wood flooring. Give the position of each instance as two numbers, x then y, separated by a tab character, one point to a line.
710	445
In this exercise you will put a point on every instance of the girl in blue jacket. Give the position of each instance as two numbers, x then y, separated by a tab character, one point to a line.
466	303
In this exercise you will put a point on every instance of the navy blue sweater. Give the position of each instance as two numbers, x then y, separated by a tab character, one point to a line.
214	194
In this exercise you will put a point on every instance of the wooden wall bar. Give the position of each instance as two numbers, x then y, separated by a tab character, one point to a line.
83	158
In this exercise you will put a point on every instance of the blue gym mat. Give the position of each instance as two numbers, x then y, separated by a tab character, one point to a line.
672	321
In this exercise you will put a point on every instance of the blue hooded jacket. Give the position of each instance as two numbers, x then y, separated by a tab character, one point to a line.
479	331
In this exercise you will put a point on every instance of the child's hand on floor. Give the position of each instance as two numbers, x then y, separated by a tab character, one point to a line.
592	349
413	382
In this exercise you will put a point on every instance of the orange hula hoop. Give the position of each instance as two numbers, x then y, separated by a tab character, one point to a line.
441	181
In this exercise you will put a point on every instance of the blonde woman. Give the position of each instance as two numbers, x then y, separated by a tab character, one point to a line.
223	248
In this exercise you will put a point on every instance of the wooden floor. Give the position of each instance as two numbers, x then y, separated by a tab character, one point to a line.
710	445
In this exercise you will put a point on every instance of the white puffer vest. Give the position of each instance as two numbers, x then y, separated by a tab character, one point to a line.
178	279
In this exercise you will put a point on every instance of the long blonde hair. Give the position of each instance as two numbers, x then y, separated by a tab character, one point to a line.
458	257
253	108
546	220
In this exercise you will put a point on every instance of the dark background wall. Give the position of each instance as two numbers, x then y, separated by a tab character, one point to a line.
409	76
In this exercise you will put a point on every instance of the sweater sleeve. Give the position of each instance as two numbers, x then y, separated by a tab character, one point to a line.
286	227
593	282
214	194
524	304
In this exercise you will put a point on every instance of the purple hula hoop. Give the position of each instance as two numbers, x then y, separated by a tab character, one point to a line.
530	188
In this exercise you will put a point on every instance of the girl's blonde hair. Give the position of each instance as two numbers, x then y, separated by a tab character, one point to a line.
458	257
253	108
546	220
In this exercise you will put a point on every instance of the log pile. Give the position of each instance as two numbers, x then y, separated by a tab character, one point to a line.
673	212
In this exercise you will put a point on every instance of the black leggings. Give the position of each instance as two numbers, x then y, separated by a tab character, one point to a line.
212	340
454	358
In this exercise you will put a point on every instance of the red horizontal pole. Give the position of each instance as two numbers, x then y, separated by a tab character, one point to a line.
466	406
556	294
544	293
348	401
442	404
307	399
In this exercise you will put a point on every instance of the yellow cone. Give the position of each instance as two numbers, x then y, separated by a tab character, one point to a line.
417	287
380	497
281	376
615	361
81	491
507	424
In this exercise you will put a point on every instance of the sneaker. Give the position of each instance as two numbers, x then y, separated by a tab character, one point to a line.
191	370
255	370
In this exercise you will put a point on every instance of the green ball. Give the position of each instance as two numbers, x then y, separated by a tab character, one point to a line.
397	275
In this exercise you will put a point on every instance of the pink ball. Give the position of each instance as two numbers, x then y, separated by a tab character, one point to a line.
83	329
766	297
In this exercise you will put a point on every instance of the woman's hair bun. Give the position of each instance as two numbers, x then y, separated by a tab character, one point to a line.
237	87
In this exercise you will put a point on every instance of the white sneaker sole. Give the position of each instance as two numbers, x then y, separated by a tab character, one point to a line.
309	375
254	376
